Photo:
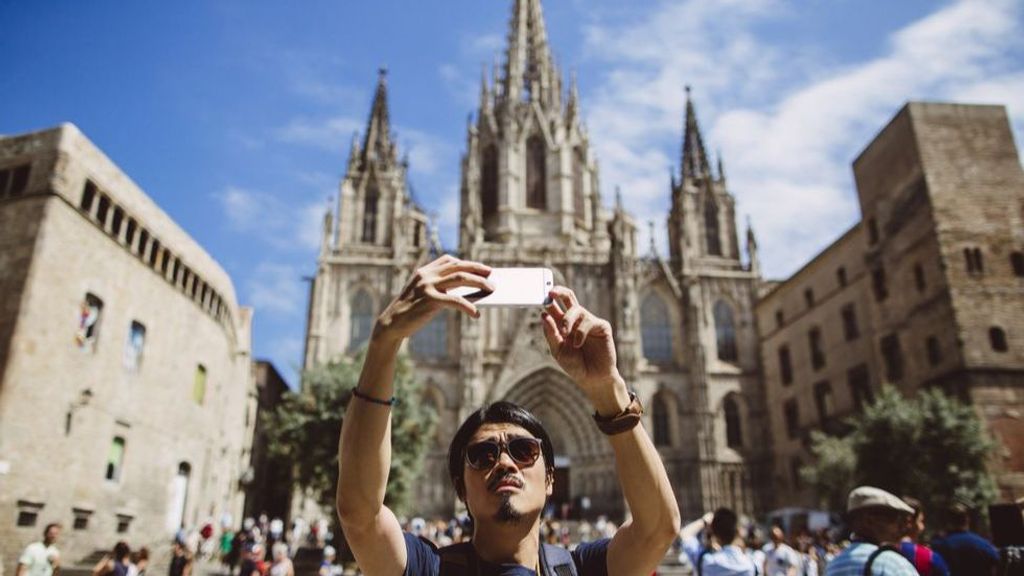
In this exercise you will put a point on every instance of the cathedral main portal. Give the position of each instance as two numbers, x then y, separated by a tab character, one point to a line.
585	480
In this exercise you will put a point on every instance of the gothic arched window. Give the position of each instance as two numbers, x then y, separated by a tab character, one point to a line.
733	430
431	341
370	214
711	232
660	417
489	182
536	173
362	320
655	330
725	332
579	162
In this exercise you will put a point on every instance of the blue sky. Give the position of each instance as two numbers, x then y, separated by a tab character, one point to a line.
236	116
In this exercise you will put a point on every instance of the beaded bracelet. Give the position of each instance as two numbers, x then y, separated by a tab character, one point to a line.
390	402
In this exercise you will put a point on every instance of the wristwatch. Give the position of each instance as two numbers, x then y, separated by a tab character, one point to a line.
623	421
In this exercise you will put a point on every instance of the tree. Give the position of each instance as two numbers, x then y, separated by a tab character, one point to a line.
305	428
931	447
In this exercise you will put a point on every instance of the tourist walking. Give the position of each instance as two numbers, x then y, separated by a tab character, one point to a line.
926	561
780	559
878	520
966	553
281	563
41	558
181	560
721	553
117	563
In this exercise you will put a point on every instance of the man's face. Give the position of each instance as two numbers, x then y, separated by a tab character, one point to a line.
51	535
508	492
883	525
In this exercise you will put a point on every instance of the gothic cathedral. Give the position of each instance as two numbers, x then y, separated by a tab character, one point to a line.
530	196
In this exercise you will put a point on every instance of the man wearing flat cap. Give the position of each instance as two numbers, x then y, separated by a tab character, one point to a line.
877	519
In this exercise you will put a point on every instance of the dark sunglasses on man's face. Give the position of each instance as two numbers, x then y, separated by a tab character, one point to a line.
485	454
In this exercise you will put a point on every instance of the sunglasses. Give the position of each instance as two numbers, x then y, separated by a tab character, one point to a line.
483	455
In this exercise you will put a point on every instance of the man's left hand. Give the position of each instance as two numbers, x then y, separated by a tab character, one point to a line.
581	343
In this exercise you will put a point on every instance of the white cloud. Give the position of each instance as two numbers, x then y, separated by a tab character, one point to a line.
788	156
284	225
276	289
331	134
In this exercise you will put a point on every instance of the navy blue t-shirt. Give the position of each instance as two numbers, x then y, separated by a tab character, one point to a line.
966	553
591	559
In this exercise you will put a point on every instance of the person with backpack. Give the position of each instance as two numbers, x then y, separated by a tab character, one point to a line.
722	552
967	553
926	561
501	459
877	519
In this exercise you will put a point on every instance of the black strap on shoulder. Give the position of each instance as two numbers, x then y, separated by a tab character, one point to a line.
458	560
557	561
700	561
879	550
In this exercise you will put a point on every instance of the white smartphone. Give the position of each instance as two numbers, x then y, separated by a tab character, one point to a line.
514	287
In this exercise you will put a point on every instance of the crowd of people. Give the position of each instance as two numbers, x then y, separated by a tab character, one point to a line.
885	537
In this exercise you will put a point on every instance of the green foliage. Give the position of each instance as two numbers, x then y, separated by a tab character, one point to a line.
832	473
305	429
931	447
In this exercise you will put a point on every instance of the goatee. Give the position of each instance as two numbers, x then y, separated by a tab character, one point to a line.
506	514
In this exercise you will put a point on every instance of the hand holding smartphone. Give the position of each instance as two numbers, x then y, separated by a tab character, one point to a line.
514	287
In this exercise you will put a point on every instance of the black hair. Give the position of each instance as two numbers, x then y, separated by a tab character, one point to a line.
914	504
121	551
49	526
497	413
959	515
723	526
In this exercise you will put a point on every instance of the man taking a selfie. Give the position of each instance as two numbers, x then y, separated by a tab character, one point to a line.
501	460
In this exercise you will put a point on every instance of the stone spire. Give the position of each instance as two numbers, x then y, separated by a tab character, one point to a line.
572	108
529	73
754	260
377	144
485	92
695	159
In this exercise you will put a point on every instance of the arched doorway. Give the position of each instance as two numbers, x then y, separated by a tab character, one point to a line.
585	481
178	498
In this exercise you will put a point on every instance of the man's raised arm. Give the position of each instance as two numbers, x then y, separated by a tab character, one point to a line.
364	451
583	346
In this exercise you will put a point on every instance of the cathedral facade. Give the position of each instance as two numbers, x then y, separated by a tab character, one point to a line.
530	196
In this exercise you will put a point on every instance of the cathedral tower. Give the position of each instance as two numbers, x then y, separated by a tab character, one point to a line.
528	176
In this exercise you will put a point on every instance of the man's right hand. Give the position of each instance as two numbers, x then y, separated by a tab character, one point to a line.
426	293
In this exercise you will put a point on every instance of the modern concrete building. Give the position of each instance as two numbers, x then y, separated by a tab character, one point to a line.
684	324
124	358
926	291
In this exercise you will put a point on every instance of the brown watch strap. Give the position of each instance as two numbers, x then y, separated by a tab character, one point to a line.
623	421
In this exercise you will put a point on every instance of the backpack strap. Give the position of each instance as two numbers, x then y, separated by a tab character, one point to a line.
700	560
871	559
458	560
557	561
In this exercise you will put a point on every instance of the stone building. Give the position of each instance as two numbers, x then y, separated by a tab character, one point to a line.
530	196
124	358
926	291
268	489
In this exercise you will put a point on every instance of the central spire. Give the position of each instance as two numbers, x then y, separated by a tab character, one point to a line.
529	71
695	159
377	145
